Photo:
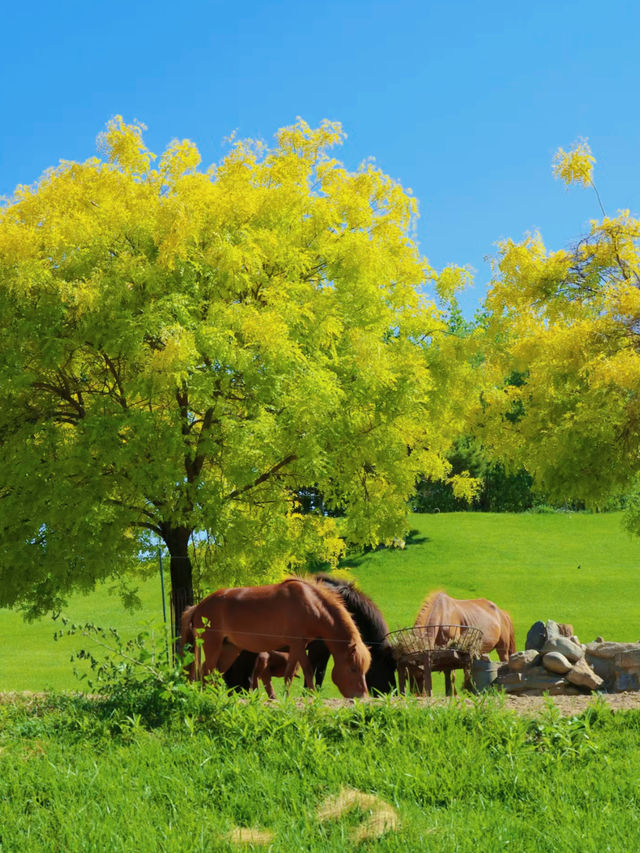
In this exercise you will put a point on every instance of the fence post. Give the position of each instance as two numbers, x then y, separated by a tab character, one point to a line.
164	603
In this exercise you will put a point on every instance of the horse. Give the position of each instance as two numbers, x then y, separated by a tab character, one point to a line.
269	665
381	675
373	630
267	618
440	614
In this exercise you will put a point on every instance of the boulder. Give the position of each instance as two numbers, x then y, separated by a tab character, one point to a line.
521	660
572	651
582	675
535	678
565	629
553	630
537	636
618	664
556	662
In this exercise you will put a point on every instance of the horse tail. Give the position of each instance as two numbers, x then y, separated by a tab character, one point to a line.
187	637
512	638
510	631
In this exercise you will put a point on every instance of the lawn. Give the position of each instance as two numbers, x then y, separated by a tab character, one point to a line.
571	567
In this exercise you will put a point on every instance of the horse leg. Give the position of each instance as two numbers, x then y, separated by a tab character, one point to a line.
260	667
261	672
318	655
298	655
211	651
502	648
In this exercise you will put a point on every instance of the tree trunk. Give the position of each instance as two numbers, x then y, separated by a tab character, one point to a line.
177	541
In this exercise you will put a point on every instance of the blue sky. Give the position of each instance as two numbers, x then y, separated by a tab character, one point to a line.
463	102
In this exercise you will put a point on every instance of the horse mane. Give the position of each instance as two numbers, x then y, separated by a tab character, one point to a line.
427	604
333	603
367	616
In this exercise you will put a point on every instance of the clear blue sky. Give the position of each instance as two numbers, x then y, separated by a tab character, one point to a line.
463	102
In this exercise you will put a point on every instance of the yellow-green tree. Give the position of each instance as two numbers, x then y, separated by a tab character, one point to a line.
184	350
567	327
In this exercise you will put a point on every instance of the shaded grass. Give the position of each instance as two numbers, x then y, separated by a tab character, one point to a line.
454	777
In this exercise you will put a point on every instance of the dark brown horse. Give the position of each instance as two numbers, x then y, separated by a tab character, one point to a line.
381	675
440	614
265	618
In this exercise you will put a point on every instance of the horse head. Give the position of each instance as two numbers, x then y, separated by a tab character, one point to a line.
349	670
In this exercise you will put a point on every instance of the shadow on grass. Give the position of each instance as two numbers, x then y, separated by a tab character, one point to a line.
355	558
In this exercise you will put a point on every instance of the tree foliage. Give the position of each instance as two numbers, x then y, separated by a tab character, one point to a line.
185	350
569	320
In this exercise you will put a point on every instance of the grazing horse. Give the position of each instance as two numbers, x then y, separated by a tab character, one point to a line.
381	675
440	614
266	618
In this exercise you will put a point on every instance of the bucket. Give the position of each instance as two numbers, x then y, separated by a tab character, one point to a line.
484	673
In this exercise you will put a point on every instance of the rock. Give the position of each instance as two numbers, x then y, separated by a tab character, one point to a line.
610	650
572	651
521	660
565	629
556	662
582	675
618	664
537	636
509	678
537	680
553	629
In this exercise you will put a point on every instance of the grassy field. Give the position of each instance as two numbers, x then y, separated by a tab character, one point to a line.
161	765
570	567
82	776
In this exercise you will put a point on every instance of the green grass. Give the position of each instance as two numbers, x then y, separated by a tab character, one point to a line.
571	567
81	776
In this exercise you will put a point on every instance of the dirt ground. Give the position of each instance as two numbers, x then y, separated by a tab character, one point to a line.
569	706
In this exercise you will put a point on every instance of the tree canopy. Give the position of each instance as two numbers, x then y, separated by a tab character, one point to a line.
567	325
184	350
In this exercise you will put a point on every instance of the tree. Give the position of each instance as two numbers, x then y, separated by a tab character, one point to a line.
569	321
187	351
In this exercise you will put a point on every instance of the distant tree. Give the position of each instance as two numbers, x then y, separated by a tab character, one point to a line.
499	489
185	352
570	321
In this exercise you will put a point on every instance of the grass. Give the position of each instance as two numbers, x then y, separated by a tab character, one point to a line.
155	768
571	567
218	774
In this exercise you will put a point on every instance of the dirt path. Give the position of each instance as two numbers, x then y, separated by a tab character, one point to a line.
529	705
569	706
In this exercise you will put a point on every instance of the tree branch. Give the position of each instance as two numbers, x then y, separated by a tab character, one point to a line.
261	479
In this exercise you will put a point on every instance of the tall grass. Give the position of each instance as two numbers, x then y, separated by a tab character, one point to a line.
80	775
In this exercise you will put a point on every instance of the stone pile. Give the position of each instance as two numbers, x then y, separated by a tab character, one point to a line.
554	662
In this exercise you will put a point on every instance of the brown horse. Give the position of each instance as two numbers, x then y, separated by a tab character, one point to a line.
440	614
269	665
266	618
